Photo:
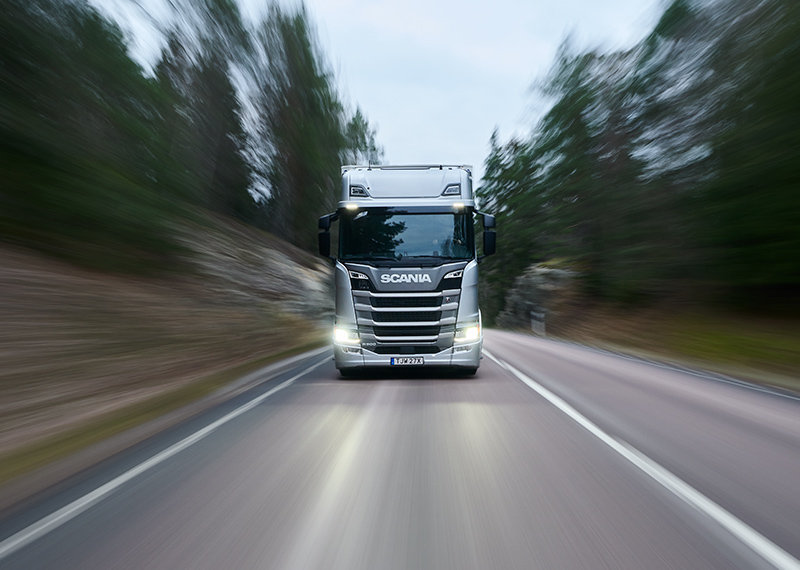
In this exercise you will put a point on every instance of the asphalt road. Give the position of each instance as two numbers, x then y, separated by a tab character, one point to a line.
552	456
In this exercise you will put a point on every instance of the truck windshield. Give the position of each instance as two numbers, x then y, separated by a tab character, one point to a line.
378	235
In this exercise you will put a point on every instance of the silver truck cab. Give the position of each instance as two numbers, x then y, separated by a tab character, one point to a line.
406	274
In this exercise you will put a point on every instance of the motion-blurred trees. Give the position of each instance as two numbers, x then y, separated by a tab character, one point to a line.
76	136
668	169
311	134
99	157
753	201
302	111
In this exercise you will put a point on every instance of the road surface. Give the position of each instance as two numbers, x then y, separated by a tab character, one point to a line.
552	457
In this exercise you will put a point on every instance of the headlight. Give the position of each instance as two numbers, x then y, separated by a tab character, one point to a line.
345	336
454	274
468	334
357	275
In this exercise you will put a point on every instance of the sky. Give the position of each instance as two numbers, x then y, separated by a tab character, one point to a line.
437	77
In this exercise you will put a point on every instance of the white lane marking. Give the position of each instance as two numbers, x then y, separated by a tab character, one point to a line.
64	514
767	549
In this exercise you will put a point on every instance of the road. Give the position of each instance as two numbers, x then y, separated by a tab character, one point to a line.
552	457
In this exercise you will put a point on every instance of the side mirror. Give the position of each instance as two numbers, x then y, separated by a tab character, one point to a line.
489	242
325	235
488	221
324	243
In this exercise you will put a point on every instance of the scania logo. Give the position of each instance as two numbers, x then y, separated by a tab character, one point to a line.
405	278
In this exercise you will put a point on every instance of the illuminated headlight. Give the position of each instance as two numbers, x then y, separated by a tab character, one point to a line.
357	275
468	334
345	336
454	274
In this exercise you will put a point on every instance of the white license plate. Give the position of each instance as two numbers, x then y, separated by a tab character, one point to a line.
407	360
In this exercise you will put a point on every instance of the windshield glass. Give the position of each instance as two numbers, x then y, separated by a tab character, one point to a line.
380	234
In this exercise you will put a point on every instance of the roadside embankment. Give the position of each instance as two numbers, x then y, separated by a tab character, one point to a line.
758	348
87	354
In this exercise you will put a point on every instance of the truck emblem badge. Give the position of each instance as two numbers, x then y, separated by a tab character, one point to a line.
405	278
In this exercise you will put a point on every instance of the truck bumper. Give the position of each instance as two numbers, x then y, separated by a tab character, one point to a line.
466	355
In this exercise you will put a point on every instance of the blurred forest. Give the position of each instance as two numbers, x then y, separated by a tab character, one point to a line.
667	171
99	158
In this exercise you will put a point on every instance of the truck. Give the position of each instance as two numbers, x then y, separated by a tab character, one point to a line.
406	269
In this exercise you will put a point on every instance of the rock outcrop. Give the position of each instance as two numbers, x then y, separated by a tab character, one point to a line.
534	295
240	265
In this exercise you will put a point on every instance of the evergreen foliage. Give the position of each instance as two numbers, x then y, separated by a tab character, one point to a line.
99	157
670	169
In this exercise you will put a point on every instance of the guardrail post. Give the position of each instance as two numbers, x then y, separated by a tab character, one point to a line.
538	322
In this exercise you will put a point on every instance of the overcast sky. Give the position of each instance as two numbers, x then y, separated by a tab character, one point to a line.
436	77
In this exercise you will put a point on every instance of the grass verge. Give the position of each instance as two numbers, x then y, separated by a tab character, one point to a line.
748	345
761	350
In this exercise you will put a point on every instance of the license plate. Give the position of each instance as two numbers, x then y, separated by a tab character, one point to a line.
407	360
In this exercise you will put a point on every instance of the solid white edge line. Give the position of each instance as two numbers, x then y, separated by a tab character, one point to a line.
70	511
760	544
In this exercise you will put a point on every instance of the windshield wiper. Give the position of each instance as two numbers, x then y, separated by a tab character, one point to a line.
432	259
436	257
369	258
377	260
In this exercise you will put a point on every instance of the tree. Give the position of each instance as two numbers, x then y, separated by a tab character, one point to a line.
361	146
305	120
668	167
77	145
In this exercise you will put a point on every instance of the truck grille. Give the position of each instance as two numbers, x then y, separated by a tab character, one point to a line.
406	323
406	316
407	349
411	302
406	331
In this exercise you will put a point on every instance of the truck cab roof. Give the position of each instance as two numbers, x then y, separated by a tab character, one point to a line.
408	185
